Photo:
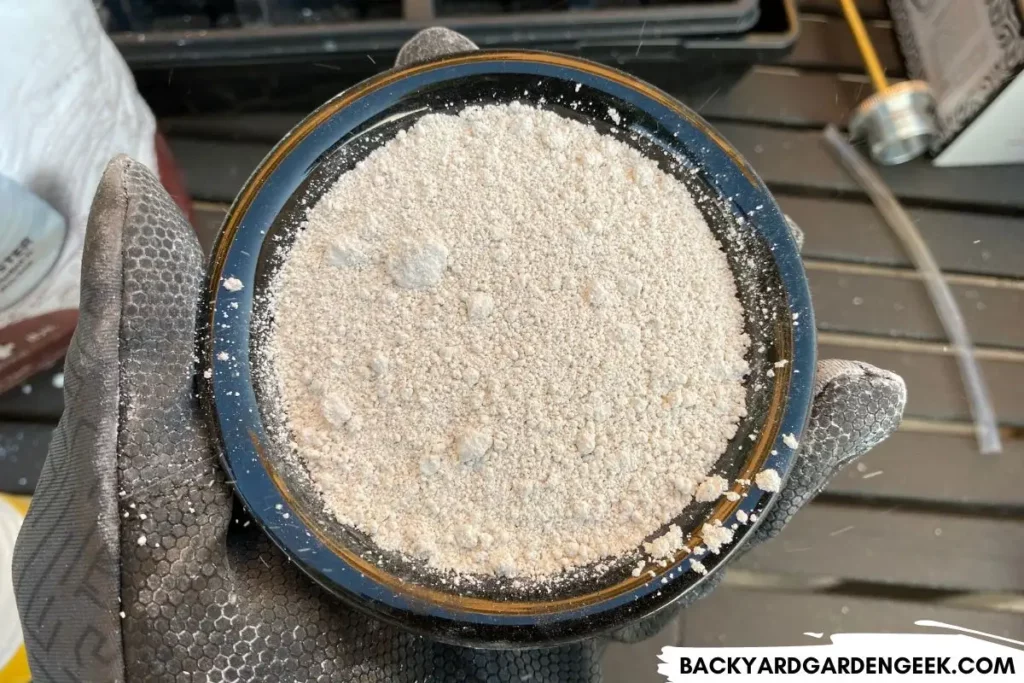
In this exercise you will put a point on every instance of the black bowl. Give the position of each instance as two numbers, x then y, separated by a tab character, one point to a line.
265	217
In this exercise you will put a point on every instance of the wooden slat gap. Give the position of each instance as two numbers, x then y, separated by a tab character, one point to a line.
933	507
836	586
906	202
763	123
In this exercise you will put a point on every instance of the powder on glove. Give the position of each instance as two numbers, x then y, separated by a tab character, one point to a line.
508	344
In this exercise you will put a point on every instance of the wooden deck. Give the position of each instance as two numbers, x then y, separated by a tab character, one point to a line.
939	533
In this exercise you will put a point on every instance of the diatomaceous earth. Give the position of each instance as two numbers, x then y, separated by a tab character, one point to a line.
508	344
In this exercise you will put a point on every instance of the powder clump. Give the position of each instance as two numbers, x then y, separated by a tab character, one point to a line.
418	263
711	489
768	480
715	536
666	545
233	284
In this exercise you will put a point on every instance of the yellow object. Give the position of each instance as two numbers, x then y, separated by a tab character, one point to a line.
15	668
867	50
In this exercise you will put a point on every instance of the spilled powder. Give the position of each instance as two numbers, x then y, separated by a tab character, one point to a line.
507	344
715	536
768	480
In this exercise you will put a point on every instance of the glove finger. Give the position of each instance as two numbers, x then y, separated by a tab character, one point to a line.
66	568
431	43
856	406
175	504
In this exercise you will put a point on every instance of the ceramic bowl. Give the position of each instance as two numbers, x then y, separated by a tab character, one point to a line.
263	221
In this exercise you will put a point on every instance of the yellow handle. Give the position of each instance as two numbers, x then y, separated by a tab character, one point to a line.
867	50
15	669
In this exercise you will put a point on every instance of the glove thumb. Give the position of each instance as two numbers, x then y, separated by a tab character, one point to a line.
128	456
856	406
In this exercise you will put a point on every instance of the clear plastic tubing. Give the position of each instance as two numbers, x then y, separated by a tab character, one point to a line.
985	426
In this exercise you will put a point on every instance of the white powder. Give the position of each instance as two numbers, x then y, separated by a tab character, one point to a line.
233	284
790	441
711	489
666	545
768	480
417	263
715	536
536	332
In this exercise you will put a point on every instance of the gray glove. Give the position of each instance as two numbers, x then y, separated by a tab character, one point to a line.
130	566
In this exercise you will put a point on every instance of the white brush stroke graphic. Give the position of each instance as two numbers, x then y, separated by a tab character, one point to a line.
968	655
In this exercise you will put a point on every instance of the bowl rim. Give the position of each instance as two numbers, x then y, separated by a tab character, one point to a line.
231	404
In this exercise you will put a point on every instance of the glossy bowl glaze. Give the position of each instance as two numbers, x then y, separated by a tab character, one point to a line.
264	220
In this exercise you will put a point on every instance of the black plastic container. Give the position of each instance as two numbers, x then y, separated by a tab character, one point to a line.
490	22
295	67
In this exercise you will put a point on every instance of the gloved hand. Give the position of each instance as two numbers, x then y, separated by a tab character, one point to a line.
131	565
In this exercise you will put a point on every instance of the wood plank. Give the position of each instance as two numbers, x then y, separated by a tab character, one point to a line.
215	170
937	468
23	449
749	618
888	303
801	159
266	127
963	242
826	44
897	547
207	220
417	10
869	9
784	96
787	159
934	388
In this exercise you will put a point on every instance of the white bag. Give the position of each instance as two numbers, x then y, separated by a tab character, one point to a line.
69	106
